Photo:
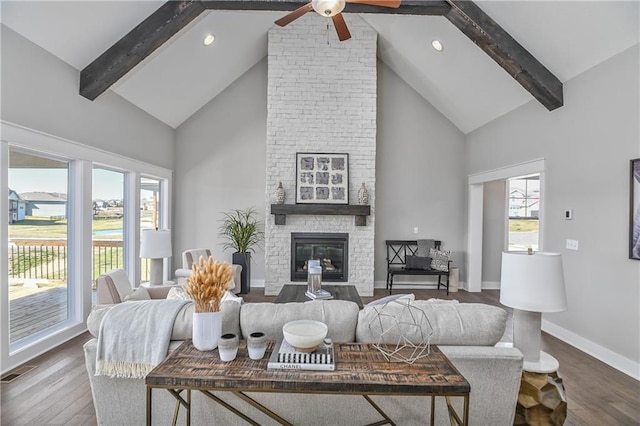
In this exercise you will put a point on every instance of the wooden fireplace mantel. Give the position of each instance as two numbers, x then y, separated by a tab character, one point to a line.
282	210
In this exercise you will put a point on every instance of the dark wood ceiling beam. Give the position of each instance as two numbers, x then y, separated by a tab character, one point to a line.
408	7
172	16
134	47
507	52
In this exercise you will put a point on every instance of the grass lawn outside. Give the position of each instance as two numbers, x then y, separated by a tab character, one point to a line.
523	225
44	227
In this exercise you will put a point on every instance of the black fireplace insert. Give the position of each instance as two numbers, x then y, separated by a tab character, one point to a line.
332	250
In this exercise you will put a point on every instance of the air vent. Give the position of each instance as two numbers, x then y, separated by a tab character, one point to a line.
12	375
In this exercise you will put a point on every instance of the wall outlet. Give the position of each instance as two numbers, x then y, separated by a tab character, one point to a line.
415	229
572	244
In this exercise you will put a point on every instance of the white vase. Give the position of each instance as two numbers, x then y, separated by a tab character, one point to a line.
207	329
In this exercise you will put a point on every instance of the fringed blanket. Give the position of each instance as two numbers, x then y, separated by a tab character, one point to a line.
134	337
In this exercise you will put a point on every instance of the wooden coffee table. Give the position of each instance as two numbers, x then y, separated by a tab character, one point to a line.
361	369
296	293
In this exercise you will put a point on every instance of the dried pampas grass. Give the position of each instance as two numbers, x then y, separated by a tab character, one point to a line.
208	283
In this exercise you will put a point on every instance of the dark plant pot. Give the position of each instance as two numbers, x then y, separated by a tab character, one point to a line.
244	260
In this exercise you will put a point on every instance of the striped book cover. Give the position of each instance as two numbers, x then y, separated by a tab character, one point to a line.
286	357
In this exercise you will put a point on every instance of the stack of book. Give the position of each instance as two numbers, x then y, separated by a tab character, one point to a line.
320	294
286	357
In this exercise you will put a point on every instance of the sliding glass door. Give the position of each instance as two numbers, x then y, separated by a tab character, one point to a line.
38	244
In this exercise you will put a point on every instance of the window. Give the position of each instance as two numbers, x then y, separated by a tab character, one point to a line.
150	214
49	188
524	210
108	249
38	249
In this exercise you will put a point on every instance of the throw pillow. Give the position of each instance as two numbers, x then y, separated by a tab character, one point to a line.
391	298
417	262
141	293
440	259
179	293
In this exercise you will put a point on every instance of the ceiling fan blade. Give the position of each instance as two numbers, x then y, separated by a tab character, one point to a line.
382	3
287	19
341	27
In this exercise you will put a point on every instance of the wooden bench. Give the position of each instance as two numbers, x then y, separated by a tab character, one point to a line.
398	250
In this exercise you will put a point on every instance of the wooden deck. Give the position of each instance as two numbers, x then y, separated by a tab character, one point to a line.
35	312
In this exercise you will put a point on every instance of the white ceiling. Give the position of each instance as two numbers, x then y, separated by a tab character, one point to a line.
462	82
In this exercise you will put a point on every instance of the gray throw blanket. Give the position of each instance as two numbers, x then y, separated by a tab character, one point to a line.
423	247
134	337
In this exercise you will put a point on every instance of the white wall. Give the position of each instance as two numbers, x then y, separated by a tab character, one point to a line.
39	91
220	166
587	145
420	176
493	232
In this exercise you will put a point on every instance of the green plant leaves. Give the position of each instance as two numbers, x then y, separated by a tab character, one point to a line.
241	230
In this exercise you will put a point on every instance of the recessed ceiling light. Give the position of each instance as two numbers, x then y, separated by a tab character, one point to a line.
208	39
437	45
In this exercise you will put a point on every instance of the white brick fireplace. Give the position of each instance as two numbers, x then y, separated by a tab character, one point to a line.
321	99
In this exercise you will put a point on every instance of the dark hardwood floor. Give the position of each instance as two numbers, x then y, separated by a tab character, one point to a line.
57	391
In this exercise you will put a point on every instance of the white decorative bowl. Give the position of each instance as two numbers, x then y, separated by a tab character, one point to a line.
305	335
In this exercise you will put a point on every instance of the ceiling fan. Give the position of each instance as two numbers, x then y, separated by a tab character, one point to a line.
332	9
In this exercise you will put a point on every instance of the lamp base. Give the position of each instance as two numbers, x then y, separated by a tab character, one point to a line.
156	266
546	364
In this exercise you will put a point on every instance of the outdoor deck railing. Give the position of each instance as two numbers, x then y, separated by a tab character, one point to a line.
47	259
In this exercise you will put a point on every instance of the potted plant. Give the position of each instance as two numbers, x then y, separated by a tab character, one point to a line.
242	231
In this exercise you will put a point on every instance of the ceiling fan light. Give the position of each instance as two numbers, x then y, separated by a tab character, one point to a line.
328	8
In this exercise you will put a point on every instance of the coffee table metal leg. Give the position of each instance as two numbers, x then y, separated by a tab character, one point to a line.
188	407
149	388
230	408
433	410
465	415
387	419
261	407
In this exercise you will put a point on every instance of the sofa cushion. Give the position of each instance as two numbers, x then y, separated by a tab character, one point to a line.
182	327
339	315
463	324
140	293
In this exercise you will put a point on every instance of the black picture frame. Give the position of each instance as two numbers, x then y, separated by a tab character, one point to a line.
634	210
322	178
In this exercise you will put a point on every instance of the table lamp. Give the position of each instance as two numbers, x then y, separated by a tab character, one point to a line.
532	284
155	245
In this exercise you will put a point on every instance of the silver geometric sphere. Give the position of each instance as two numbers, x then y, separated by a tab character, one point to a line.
404	331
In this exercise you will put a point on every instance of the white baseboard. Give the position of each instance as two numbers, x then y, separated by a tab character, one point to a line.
615	360
257	283
491	285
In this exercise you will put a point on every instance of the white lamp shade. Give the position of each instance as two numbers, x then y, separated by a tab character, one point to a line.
155	244
533	282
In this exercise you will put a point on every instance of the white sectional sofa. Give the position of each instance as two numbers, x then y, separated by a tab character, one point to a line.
466	334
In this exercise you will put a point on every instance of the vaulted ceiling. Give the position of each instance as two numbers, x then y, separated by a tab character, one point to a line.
462	82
